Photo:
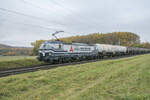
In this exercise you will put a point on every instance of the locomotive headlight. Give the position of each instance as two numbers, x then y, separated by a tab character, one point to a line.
50	54
43	54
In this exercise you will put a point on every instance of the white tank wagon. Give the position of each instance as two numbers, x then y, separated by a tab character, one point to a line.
110	50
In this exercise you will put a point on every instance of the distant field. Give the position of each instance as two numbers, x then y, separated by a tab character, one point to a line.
8	62
122	79
12	58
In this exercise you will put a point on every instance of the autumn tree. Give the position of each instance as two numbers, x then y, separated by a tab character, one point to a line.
36	46
115	38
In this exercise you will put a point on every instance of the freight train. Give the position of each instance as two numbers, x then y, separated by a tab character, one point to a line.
59	52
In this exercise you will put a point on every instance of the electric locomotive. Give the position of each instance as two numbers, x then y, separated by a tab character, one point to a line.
58	52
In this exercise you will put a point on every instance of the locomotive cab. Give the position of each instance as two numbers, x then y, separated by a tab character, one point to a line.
48	48
51	45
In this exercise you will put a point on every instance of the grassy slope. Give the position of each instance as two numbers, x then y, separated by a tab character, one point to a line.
12	58
123	79
7	62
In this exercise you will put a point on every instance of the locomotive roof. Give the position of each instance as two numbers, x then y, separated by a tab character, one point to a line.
53	42
60	42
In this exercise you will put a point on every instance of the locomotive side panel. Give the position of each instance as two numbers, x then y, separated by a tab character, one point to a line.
73	48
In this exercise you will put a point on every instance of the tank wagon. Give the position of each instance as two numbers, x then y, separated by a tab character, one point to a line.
110	50
59	52
135	51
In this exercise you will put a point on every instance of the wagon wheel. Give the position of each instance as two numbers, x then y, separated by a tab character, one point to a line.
60	61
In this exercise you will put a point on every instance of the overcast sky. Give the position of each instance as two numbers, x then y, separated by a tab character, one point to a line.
24	21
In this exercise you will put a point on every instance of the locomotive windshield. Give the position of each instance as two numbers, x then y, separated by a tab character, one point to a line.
46	46
51	45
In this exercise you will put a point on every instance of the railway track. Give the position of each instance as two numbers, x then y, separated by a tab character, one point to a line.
44	67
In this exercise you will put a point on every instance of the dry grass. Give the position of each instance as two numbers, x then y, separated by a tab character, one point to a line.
123	79
8	62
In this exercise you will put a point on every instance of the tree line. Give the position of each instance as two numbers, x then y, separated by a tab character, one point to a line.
114	38
16	51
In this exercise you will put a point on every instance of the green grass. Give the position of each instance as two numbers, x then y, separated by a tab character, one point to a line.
8	62
123	79
12	58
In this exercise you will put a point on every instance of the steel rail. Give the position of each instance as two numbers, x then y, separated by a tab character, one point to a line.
9	72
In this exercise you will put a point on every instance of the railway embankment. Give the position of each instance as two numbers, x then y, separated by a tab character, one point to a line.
13	62
119	79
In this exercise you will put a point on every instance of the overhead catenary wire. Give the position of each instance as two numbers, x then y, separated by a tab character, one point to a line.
61	6
39	18
15	12
73	11
80	18
61	17
49	29
36	26
41	8
30	16
33	25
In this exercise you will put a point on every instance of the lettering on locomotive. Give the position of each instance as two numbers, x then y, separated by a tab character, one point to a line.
82	49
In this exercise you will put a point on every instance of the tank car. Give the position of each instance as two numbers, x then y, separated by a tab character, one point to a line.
135	51
111	50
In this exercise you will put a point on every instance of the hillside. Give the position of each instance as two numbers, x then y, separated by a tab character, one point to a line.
121	79
5	46
7	50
